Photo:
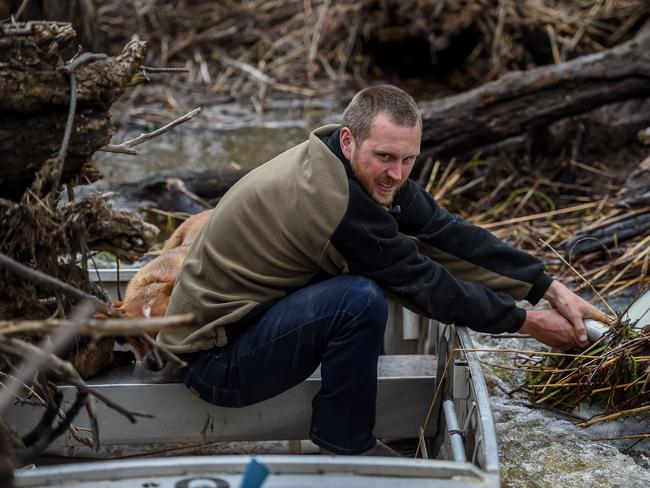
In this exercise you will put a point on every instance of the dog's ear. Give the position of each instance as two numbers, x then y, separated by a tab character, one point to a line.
160	303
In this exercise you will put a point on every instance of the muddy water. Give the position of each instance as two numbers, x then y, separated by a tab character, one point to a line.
537	449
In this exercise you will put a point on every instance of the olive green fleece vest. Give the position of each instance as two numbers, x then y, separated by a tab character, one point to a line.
268	235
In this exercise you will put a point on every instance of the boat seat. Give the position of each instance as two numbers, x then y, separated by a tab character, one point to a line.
406	385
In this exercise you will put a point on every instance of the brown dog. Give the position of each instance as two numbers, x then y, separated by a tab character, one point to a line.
147	294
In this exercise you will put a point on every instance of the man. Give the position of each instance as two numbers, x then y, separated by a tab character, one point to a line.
288	273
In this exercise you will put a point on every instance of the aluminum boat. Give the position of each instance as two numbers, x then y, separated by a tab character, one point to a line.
432	399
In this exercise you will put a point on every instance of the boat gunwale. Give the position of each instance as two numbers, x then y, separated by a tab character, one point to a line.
279	465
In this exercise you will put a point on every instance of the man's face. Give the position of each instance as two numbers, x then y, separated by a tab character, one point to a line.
384	159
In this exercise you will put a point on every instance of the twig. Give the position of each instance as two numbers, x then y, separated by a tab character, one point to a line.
119	149
436	394
64	370
318	30
617	415
130	415
70	68
526	218
127	147
167	213
151	69
245	67
622	437
20	10
534	353
163	352
31	392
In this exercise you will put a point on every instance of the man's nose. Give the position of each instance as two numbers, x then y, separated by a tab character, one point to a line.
395	171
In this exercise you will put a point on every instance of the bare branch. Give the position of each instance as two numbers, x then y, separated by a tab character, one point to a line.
126	147
152	69
95	328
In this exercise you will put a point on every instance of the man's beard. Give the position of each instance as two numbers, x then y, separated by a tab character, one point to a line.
368	186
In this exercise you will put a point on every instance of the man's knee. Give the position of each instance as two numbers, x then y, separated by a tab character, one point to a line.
365	297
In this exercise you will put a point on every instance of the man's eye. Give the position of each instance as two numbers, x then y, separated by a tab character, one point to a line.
385	157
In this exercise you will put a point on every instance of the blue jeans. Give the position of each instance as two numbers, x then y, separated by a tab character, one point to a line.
338	323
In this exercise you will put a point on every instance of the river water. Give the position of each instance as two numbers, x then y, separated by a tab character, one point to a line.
537	449
541	449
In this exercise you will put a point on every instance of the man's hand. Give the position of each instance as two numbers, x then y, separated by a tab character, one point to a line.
549	327
574	309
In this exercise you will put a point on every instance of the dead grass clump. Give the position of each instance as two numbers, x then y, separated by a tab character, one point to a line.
613	374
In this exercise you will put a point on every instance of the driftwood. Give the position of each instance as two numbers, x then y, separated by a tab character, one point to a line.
527	100
35	95
188	191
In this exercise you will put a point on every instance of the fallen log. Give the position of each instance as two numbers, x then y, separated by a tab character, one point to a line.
606	236
523	101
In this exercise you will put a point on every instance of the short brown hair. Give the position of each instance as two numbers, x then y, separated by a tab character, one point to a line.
370	102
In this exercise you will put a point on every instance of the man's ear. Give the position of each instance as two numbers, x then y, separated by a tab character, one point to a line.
347	142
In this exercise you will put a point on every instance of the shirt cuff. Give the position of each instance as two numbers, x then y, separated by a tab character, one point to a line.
520	318
540	285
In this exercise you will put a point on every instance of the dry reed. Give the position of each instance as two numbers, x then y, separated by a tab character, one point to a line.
314	47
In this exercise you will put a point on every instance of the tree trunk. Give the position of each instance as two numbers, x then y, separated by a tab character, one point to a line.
35	95
527	100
